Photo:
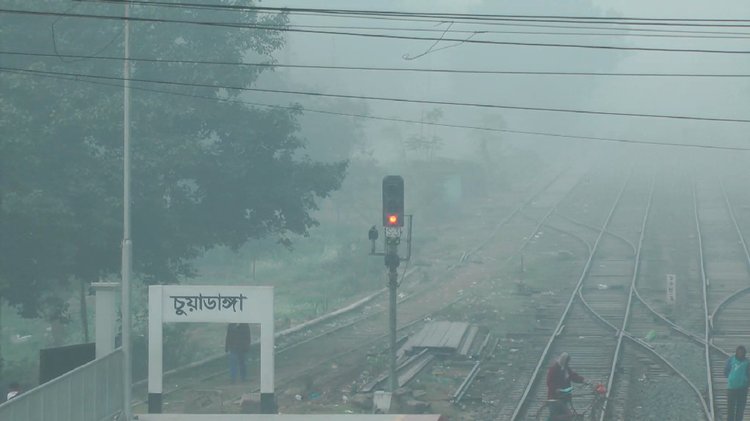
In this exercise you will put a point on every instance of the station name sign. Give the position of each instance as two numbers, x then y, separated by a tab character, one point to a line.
223	304
182	304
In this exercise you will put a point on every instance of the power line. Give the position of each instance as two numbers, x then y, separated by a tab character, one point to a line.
391	119
528	25
390	99
624	30
364	12
698	35
433	20
377	69
382	36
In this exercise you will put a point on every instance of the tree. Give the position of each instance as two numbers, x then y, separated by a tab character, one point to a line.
206	172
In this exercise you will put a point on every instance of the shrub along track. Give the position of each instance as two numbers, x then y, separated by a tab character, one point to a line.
330	345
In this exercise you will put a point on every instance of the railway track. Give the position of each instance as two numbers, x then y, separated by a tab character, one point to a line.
314	355
411	316
480	388
680	349
610	304
725	264
607	318
670	249
561	239
575	331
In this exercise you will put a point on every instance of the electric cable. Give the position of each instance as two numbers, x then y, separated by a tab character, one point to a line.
375	68
433	20
392	99
380	36
393	119
700	35
365	12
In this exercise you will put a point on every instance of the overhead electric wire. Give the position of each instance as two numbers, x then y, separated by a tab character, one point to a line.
715	35
370	35
373	68
623	31
454	16
392	119
390	99
438	21
398	16
529	25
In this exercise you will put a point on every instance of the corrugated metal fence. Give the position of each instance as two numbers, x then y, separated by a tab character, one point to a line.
92	392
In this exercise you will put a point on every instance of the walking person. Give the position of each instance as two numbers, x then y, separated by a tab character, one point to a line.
237	345
737	372
559	392
559	376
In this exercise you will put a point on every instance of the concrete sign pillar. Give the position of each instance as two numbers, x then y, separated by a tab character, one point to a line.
106	317
212	304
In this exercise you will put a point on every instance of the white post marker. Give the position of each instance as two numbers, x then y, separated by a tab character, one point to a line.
212	304
671	288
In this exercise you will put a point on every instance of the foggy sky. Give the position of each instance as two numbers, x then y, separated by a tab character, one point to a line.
712	97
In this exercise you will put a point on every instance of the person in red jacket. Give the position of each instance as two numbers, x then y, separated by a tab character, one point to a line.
559	376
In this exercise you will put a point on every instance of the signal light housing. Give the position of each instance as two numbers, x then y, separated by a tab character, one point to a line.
393	201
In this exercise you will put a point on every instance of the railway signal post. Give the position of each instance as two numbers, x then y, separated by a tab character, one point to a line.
393	221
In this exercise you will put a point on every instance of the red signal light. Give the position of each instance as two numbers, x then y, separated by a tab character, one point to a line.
393	219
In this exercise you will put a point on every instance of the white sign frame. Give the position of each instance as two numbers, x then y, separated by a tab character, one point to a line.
212	304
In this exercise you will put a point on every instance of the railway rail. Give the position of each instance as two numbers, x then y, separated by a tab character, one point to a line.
412	315
605	321
614	310
725	268
576	332
336	340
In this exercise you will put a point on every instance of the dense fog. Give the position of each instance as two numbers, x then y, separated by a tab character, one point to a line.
259	135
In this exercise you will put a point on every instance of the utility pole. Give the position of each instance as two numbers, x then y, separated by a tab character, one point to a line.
127	245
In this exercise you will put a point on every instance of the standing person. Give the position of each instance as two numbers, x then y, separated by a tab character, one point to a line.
737	372
372	235
559	376
14	389
237	345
